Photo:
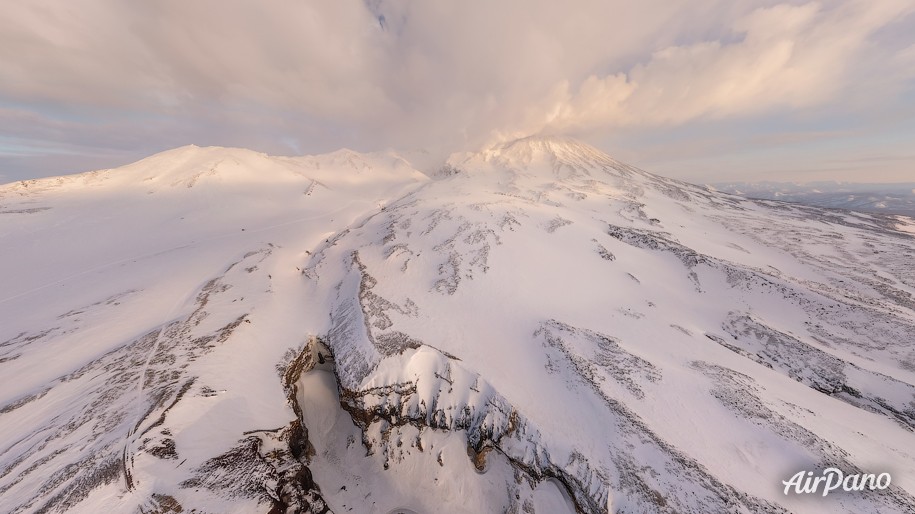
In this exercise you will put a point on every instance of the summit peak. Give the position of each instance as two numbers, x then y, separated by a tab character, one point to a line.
554	155
553	149
543	144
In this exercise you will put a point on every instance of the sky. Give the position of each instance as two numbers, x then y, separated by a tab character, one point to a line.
705	90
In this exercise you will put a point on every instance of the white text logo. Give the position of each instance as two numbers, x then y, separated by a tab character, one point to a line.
803	482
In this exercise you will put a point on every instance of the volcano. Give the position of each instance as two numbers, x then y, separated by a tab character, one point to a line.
535	327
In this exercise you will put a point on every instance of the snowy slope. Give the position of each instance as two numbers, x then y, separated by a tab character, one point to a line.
533	328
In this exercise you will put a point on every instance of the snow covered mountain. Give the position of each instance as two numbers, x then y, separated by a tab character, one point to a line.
532	328
883	198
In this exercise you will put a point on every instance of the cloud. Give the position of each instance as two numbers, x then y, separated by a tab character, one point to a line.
787	57
316	75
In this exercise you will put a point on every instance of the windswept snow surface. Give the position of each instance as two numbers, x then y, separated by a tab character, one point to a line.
532	328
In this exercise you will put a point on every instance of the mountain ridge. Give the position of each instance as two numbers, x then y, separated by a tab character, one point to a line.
536	328
518	153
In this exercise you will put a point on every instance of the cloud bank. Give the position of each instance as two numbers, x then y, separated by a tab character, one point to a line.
106	78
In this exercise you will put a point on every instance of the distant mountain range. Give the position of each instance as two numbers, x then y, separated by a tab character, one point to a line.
885	198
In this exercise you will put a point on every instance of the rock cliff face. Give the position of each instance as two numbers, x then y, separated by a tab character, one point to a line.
533	328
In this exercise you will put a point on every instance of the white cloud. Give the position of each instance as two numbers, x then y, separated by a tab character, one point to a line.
329	73
789	56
